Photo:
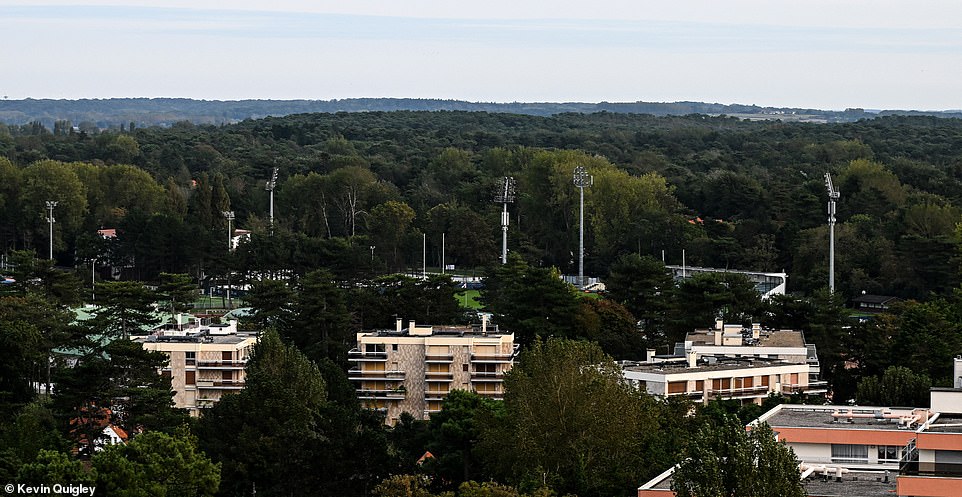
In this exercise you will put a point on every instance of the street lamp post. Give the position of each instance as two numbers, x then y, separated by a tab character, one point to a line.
582	180
50	205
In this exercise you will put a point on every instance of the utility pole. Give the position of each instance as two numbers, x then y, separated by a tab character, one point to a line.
271	183
50	205
505	195
833	195
582	180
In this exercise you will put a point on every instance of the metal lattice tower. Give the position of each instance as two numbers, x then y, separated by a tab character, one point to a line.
271	183
833	195
582	180
50	205
505	195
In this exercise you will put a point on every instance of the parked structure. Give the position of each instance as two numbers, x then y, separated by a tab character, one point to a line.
205	363
413	369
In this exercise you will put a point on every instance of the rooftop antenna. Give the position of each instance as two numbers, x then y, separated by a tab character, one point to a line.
505	195
271	183
833	195
582	180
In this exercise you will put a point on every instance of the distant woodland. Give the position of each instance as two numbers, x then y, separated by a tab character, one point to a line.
731	193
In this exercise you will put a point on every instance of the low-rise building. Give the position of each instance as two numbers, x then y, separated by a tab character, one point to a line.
205	362
413	369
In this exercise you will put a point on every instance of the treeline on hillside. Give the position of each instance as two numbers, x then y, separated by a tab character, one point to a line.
730	193
141	112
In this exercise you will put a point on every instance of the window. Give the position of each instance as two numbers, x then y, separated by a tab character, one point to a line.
464	367
190	358
190	378
888	453
849	453
677	386
394	347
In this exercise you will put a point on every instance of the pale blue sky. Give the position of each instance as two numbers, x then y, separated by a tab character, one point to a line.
814	53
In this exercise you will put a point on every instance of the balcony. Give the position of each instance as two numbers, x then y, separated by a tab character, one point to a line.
220	384
388	375
759	391
487	376
435	395
817	387
357	355
221	364
491	395
380	394
436	358
496	358
694	394
438	376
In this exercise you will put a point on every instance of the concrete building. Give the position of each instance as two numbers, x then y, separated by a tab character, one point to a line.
205	362
413	369
860	451
732	362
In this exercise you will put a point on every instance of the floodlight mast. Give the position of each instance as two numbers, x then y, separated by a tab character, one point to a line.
50	205
582	180
505	195
271	183
833	195
229	215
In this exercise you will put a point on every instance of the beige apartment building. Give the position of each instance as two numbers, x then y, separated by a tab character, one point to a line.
205	362
732	362
413	369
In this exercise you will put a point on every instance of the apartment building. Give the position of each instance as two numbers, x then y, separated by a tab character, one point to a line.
413	369
205	363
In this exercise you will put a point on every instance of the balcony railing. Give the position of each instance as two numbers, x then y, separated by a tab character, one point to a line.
439	358
361	375
811	388
493	395
436	395
487	376
220	384
357	355
739	392
380	394
221	364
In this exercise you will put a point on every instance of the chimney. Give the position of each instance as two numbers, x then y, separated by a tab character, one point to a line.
756	330
411	327
718	336
650	355
720	324
692	360
397	323
484	324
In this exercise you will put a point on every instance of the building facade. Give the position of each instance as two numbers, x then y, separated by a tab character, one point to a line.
413	369
204	364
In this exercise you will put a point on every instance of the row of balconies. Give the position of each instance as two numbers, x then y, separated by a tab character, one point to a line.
761	390
359	355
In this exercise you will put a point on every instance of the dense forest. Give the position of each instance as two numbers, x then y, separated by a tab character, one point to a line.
357	197
730	193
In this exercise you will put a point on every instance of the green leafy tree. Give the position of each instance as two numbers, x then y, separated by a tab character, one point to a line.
570	420
530	301
643	286
52	466
390	222
898	386
156	464
728	461
272	301
321	327
124	308
179	290
454	433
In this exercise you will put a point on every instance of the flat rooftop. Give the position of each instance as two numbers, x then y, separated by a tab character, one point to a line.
767	338
451	331
821	417
704	365
217	339
853	484
946	423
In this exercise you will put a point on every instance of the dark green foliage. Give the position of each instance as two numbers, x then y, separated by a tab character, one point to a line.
455	432
571	421
155	464
728	461
530	301
384	299
643	286
898	386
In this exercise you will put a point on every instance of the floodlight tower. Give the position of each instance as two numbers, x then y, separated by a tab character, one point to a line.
50	205
229	215
271	183
582	180
833	195
505	195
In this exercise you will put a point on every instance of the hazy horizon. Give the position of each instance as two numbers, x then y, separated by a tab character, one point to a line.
819	54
